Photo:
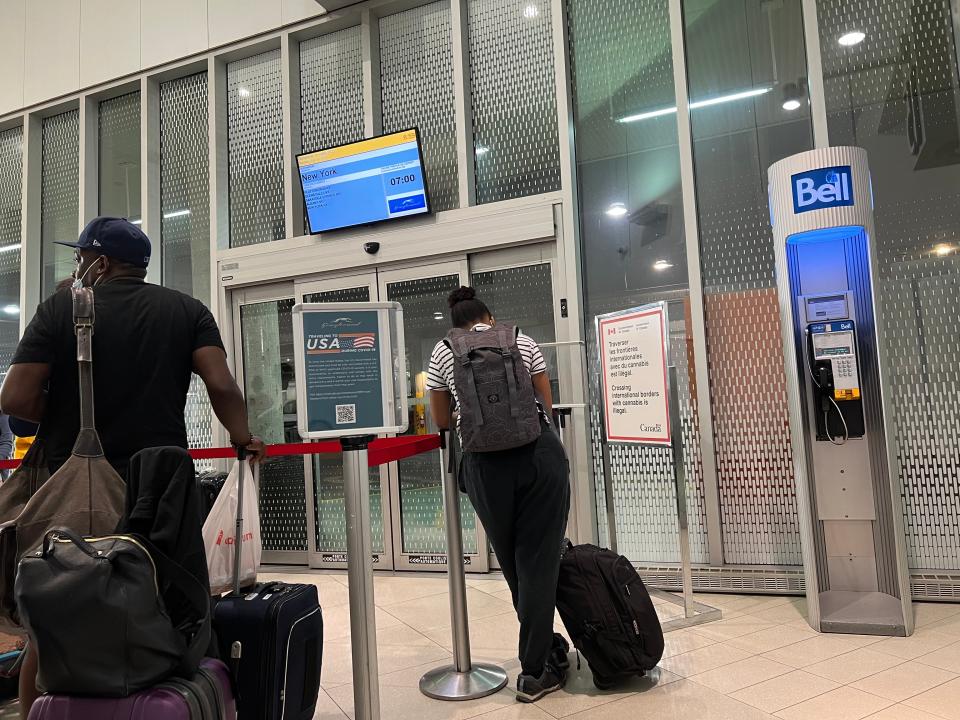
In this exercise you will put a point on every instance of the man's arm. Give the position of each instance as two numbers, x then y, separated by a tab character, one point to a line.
24	392
210	364
440	408
541	384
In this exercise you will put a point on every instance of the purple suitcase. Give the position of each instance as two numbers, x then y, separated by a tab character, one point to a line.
208	696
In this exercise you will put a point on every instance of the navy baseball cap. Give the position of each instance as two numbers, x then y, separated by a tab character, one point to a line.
117	238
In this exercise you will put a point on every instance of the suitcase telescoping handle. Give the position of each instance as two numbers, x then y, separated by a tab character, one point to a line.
238	532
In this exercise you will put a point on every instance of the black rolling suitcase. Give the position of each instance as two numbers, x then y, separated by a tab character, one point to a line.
271	635
608	614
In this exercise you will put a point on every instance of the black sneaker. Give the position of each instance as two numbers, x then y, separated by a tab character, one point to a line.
530	689
559	654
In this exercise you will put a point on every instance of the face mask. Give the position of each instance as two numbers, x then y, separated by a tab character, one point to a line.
78	282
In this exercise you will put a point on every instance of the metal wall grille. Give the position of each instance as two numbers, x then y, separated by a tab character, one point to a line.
644	487
755	47
897	94
185	186
622	66
416	85
119	156
331	90
59	195
255	140
11	204
513	87
185	216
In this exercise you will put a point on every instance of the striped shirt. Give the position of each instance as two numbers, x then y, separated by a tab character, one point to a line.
440	370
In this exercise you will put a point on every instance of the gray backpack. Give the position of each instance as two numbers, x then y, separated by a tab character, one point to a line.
498	407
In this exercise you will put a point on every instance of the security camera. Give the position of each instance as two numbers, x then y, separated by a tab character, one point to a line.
371	248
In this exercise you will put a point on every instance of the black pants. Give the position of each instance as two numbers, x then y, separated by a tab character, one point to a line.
522	497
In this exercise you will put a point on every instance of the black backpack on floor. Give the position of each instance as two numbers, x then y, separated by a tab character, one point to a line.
608	614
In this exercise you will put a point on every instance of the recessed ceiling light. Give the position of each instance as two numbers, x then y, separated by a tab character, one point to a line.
175	213
791	104
12	309
944	249
661	265
617	210
243	92
438	316
851	38
531	11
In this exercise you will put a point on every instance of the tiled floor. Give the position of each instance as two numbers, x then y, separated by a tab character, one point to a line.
760	661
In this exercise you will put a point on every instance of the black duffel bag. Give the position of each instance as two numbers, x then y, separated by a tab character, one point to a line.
94	609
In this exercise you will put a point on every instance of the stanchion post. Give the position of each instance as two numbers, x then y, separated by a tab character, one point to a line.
363	629
463	680
680	478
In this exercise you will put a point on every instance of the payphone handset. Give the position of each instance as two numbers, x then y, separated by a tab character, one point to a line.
831	351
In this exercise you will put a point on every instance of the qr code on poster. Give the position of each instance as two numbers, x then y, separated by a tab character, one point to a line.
346	414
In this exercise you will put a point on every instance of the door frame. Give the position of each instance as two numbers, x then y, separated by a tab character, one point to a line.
381	561
254	295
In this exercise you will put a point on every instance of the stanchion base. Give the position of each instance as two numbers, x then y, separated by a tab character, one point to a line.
446	683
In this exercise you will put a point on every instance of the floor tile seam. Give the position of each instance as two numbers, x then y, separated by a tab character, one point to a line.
841	685
932	687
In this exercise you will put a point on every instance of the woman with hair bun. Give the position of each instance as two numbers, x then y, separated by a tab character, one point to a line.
514	469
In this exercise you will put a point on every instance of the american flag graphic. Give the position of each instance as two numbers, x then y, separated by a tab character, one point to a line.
358	341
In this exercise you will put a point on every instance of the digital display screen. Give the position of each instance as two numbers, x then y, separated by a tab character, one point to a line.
832	344
364	182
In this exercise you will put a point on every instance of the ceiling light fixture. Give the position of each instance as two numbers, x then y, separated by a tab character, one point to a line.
791	104
851	38
661	265
12	309
720	99
617	210
482	150
531	11
9	248
438	316
944	249
175	213
243	92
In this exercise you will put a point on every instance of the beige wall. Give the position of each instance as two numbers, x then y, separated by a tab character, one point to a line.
50	48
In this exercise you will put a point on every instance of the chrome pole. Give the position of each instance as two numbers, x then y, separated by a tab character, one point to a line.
463	680
680	477
363	629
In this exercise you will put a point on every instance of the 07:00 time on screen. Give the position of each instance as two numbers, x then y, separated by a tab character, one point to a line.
402	179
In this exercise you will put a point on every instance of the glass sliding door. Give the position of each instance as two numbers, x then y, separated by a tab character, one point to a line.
418	529
328	547
263	318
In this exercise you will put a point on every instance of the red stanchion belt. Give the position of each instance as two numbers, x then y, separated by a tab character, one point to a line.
380	452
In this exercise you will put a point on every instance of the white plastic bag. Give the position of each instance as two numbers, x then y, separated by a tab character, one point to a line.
220	528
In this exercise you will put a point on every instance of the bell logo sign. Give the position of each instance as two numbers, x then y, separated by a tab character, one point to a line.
822	188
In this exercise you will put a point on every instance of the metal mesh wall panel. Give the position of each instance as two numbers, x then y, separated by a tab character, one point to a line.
331	89
622	66
255	132
185	216
644	488
416	84
119	156
185	186
513	86
732	49
59	194
11	203
897	94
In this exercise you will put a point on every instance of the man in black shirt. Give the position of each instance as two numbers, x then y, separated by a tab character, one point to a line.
147	341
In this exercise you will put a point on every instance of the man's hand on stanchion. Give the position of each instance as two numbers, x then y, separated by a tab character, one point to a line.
254	449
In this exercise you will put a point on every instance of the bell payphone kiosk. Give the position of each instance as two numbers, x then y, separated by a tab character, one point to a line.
851	525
